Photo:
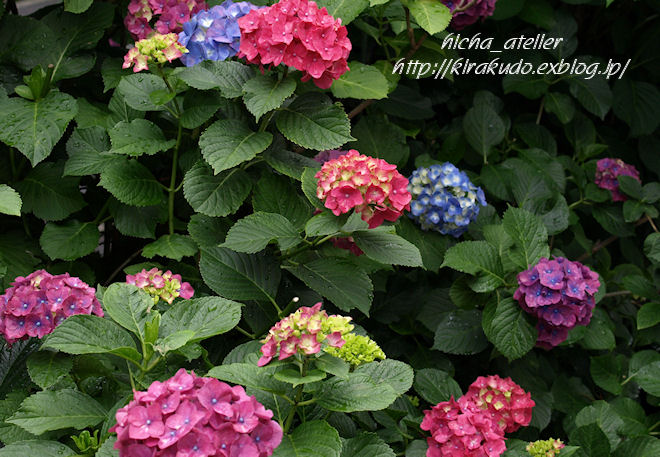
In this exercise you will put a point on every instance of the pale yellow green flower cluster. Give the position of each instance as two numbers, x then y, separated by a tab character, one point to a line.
545	448
157	48
357	350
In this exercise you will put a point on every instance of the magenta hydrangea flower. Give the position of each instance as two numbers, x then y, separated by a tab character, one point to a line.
607	171
159	285
163	16
191	416
467	12
39	302
560	293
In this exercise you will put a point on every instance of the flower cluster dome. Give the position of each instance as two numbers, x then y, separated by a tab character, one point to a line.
545	448
475	424
213	34
303	332
607	171
39	302
475	10
171	15
371	186
444	199
357	350
560	293
193	416
159	285
299	34
157	48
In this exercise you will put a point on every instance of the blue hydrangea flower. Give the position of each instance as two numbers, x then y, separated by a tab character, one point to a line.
444	199
213	34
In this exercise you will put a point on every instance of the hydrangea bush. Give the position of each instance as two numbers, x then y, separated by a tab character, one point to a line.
280	228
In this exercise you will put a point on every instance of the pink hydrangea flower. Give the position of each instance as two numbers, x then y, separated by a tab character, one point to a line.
370	186
508	403
299	34
560	293
191	416
157	48
303	332
39	302
165	16
607	171
159	285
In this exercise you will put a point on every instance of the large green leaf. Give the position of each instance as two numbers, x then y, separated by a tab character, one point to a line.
77	6
136	89
342	282
648	378
127	305
311	439
86	334
594	94
432	16
215	195
638	105
198	107
88	152
361	82
652	247
431	245
388	248
483	128
228	76
138	137
10	201
131	183
529	234
250	375
174	246
435	385
346	10
276	194
230	142
378	137
366	445
263	93
205	317
34	127
460	332
239	276
48	367
56	410
253	233
41	448
510	330
642	446
137	222
69	241
477	257
314	122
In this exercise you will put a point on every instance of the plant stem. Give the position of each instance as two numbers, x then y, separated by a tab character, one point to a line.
99	216
121	267
130	376
577	203
245	332
265	121
172	189
617	293
298	397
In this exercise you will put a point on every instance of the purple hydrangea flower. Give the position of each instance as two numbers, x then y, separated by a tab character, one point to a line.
467	16
560	294
213	34
607	171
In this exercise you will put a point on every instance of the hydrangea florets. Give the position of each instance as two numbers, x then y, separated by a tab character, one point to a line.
444	199
213	34
462	16
545	448
172	14
560	293
193	416
371	186
607	171
157	48
508	403
461	429
303	332
299	34
39	302
159	285
357	350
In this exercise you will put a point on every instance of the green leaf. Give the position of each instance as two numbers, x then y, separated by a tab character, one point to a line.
216	195
34	127
309	184
229	142
340	281
510	331
199	107
263	93
346	10
88	152
652	247
314	122
561	105
174	246
483	127
293	376
77	6
286	162
592	441
643	446
250	375
127	305
333	365
606	371
430	15
253	233
276	194
324	223
598	334
228	76
205	317
638	105
136	90
460	332
311	439
48	410
10	201
594	94
648	378
630	186
633	416
603	415
388	248
361	81
529	234
648	315
377	137
39	448
69	241
366	445
134	221
48	195
477	257
46	368
611	219
131	183
138	137
436	386
207	231
239	276
431	245
87	334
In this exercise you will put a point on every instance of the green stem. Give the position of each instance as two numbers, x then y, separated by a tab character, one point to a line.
577	203
628	379
99	216
172	189
245	332
296	401
130	376
152	364
265	121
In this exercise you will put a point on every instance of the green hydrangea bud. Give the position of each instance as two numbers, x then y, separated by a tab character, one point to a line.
545	448
357	350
